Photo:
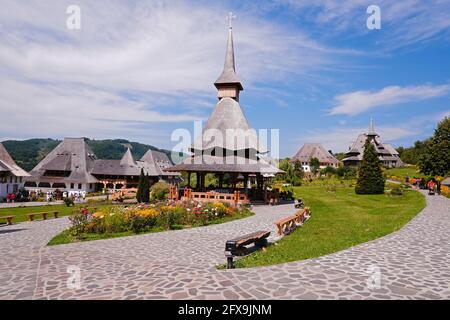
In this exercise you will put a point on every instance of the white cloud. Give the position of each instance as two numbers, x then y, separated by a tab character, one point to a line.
360	101
403	23
132	62
54	110
160	48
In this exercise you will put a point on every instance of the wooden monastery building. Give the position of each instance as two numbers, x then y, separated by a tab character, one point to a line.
387	154
315	150
72	166
12	177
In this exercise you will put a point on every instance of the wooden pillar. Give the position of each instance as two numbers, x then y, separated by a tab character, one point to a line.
220	180
233	181
197	184
202	181
189	180
245	181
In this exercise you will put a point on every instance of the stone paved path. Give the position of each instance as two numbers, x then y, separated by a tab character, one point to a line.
413	263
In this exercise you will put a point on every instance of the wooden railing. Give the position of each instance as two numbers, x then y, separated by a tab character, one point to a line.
234	198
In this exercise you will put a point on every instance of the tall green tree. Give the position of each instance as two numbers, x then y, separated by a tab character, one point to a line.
298	170
141	186
370	176
315	165
436	158
146	190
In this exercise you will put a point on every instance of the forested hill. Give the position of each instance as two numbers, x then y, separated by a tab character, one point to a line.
28	153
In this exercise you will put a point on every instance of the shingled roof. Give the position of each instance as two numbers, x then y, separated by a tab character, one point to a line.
314	150
385	152
228	121
7	163
155	162
72	154
207	163
228	75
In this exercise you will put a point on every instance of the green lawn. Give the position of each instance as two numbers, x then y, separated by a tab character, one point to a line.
411	171
339	220
20	214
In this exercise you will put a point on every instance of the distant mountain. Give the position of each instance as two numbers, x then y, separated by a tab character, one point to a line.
28	153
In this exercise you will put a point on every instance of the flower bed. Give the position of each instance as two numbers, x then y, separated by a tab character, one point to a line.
128	220
445	191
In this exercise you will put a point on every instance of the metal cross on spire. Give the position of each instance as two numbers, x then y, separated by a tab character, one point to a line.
230	18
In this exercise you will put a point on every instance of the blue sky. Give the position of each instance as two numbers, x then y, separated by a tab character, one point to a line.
141	69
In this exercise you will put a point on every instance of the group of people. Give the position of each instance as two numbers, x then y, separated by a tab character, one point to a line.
10	198
421	183
77	196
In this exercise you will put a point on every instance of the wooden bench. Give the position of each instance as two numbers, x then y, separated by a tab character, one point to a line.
298	203
43	214
237	246
8	219
288	224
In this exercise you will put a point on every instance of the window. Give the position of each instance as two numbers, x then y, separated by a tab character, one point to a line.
80	186
72	186
90	185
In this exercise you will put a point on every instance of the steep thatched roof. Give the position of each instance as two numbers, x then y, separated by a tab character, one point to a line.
7	164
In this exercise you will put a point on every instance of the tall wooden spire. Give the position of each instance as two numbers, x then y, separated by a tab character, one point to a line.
228	83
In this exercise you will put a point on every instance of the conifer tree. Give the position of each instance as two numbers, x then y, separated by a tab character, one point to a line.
370	177
141	185
145	196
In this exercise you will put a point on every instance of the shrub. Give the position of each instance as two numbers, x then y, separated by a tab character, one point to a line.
159	190
346	172
68	201
115	222
396	191
328	171
139	223
79	222
170	216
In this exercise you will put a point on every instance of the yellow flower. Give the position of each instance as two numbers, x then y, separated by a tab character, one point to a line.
219	205
148	213
98	214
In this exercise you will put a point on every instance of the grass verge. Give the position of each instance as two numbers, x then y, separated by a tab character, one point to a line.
340	220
